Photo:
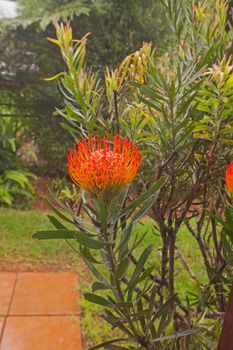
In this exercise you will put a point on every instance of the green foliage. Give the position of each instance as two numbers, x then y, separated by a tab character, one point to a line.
205	26
226	223
119	28
178	110
216	101
129	296
10	132
16	245
29	98
14	183
65	191
27	59
184	283
14	178
132	23
78	85
45	12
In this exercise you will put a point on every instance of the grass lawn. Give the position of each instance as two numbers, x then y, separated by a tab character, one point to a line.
17	245
16	242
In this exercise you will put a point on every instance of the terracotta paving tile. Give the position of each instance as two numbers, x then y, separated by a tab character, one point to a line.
41	333
7	282
45	294
1	326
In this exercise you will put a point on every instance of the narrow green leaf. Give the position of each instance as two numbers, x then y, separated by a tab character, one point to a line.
102	213
56	223
229	218
120	322
124	240
146	195
54	77
85	252
141	317
140	265
115	347
99	286
124	305
122	268
94	271
102	345
55	234
145	274
185	333
136	243
164	308
88	242
142	211
57	212
96	299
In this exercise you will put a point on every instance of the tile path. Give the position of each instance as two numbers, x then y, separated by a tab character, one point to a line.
39	311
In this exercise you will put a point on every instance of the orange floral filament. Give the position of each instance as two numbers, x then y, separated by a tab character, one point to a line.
229	177
102	167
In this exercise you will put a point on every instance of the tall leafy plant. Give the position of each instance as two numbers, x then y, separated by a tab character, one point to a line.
178	110
108	240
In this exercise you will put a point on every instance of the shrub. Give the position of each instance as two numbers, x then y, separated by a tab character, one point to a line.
178	111
14	177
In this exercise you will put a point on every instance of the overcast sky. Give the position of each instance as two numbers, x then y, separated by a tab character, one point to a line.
7	9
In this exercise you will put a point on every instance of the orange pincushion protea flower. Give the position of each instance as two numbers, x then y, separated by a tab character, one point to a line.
229	177
102	167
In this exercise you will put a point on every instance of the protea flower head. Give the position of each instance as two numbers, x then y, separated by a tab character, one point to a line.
229	177
103	167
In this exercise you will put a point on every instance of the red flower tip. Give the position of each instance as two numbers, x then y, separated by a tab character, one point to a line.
229	177
103	167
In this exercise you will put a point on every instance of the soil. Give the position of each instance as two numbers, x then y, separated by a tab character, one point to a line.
24	265
30	154
42	189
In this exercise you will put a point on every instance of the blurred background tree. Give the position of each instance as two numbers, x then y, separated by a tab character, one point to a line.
118	28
